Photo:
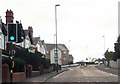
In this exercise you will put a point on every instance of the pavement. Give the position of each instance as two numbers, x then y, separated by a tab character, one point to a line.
115	71
43	77
102	67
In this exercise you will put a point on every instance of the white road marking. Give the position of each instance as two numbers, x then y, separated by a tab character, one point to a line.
113	75
84	72
58	75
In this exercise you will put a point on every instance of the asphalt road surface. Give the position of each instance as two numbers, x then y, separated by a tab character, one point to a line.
84	74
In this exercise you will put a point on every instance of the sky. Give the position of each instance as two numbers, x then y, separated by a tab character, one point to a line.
81	24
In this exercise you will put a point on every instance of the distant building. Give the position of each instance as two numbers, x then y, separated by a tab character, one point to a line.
63	53
70	59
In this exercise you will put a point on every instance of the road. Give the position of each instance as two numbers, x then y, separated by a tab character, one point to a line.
84	74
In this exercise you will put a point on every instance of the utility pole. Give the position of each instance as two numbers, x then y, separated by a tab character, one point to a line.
104	44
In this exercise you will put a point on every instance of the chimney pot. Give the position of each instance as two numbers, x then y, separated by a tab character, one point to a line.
9	16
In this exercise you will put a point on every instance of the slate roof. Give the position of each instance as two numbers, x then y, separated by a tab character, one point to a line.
71	56
3	28
26	32
50	46
62	47
35	40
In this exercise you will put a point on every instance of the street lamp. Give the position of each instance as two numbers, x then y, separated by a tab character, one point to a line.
56	52
69	45
86	50
104	43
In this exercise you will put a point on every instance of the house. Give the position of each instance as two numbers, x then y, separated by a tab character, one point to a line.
39	45
43	47
28	38
1	36
63	53
26	42
71	59
50	53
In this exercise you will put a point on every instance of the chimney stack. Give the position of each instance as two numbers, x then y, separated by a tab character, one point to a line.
9	16
30	30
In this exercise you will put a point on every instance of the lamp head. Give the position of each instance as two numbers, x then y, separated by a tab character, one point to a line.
57	5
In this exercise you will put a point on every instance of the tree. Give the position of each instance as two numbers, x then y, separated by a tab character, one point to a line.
45	62
117	50
109	55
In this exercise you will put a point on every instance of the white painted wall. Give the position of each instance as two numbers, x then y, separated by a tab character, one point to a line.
38	47
52	57
113	64
42	49
27	42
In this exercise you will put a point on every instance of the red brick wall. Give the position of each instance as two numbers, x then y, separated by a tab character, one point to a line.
5	73
65	57
19	76
16	76
35	73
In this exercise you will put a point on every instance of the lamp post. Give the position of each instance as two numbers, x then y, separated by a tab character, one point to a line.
104	44
69	45
86	50
56	52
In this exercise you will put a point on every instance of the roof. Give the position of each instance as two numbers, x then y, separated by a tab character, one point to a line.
3	28
35	40
70	56
26	32
50	46
62	47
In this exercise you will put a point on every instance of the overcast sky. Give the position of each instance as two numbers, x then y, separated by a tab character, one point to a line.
83	22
